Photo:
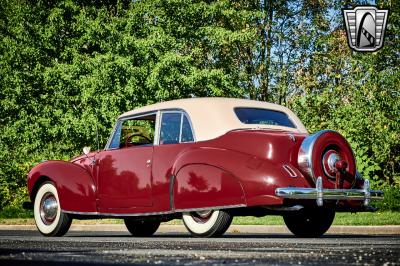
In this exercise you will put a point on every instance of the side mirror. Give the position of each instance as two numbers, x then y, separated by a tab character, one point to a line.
86	150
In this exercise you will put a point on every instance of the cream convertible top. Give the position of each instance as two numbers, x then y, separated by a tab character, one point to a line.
213	117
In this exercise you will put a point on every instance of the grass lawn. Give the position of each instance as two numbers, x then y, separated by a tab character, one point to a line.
363	218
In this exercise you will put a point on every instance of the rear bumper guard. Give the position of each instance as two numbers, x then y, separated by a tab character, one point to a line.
320	194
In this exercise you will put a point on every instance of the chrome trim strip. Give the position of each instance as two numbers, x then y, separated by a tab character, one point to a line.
367	192
153	213
81	213
211	208
289	170
319	194
285	208
180	128
118	214
157	129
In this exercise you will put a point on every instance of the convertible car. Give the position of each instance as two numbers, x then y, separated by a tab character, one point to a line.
204	160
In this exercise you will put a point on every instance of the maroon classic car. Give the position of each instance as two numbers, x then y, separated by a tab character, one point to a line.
204	160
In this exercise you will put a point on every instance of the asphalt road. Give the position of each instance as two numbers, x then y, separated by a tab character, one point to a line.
19	247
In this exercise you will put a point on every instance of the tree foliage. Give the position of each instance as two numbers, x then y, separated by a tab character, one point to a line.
69	68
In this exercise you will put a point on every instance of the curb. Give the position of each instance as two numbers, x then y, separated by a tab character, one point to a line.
233	229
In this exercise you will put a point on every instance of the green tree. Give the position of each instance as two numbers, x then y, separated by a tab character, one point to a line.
69	68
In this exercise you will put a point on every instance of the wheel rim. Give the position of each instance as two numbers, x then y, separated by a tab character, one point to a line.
48	208
202	216
200	222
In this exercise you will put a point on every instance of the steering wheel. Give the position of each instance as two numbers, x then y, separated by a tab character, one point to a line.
128	139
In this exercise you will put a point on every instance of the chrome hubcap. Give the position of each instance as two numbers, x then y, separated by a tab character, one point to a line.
329	160
202	216
332	159
48	208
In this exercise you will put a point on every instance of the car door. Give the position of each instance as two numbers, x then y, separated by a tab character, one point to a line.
175	135
124	169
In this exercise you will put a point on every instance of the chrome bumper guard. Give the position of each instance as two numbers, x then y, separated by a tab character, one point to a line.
320	194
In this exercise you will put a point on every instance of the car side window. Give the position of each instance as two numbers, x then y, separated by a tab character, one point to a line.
187	135
170	128
263	117
137	131
175	128
114	144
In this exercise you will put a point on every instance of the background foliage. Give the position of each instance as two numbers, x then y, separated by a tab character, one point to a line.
69	67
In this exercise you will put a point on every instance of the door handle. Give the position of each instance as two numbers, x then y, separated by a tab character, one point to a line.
148	162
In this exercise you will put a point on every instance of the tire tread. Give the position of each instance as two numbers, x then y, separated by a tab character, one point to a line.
141	228
309	223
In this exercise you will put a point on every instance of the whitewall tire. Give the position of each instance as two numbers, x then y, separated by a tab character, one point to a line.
207	223
49	218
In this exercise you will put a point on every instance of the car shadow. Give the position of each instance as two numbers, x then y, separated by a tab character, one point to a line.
226	236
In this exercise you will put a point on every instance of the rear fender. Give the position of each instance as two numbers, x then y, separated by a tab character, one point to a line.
202	180
199	186
75	186
258	177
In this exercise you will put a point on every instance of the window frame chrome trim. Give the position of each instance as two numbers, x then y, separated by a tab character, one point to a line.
157	127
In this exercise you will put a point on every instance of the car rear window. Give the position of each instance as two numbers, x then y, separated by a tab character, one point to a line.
263	117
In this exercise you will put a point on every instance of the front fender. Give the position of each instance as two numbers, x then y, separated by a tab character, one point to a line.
75	186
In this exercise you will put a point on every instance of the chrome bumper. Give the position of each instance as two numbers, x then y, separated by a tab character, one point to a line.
320	194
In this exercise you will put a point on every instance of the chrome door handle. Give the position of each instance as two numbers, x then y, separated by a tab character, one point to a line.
148	162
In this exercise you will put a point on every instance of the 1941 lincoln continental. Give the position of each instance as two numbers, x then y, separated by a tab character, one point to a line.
204	160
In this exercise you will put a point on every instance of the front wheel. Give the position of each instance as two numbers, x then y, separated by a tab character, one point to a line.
207	223
141	228
309	222
49	218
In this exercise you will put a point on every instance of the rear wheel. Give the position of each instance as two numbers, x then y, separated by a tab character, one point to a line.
49	218
207	223
141	228
309	222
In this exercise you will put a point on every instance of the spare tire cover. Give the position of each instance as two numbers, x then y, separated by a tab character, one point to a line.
318	155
